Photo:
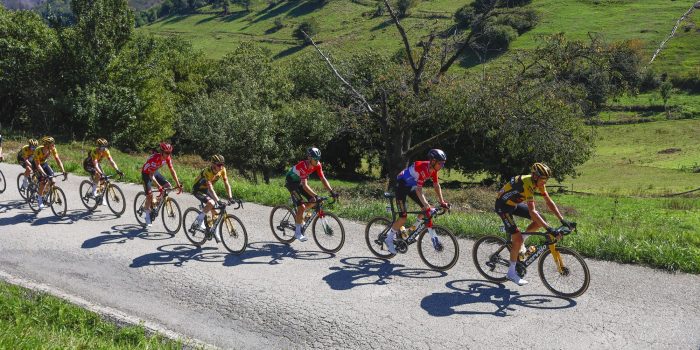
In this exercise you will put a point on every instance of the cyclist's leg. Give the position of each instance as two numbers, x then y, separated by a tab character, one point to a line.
505	212
297	191
161	180
147	184
414	197
87	166
207	204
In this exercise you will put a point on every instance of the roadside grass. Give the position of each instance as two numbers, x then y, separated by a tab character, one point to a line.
33	320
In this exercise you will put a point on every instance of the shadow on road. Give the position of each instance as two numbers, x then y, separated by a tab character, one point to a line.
477	297
360	271
9	205
272	253
173	254
119	234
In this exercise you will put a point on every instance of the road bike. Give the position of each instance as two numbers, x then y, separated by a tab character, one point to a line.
53	196
231	231
326	228
3	182
562	270
114	196
441	254
163	203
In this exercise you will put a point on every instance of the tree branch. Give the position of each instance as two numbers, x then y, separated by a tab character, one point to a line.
673	32
403	35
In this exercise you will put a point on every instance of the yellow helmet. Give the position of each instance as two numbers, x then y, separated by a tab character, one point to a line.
217	159
541	170
33	143
102	142
48	140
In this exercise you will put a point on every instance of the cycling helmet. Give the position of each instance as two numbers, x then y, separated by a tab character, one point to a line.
47	140
314	153
217	159
166	147
541	169
437	154
33	143
102	142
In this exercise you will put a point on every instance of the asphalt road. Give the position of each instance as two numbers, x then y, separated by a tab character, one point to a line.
278	296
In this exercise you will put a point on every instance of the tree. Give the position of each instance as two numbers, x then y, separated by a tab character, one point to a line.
404	7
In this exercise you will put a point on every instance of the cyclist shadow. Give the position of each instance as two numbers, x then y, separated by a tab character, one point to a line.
90	216
361	271
9	205
173	254
272	253
478	297
119	234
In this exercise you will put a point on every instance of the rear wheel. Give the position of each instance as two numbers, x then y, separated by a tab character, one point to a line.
233	234
193	231
86	195
115	200
3	182
20	180
59	205
375	234
440	252
140	207
172	216
573	278
492	258
328	233
31	196
282	223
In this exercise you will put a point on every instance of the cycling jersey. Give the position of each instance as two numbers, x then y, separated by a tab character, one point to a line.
98	155
416	174
303	169
518	189
154	162
41	156
26	152
208	175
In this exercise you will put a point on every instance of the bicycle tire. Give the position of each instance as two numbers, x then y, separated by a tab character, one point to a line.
329	233
194	234
171	215
579	287
447	256
31	196
3	182
85	191
375	234
22	193
282	224
59	205
230	234
140	208
115	196
485	260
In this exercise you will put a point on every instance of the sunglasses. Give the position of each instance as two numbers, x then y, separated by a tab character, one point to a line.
442	163
219	164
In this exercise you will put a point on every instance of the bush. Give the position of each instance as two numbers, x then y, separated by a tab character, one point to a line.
403	7
309	26
465	16
688	82
497	37
649	80
521	20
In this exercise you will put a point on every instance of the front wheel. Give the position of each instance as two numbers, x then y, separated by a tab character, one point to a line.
59	205
193	231
439	252
330	235
375	234
140	207
233	234
115	200
571	280
172	216
85	191
492	258
282	223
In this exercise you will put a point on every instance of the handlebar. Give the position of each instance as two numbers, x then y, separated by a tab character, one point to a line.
234	203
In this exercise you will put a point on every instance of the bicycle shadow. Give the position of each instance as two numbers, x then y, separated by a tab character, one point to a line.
90	215
479	297
372	271
119	234
273	253
12	204
172	254
18	219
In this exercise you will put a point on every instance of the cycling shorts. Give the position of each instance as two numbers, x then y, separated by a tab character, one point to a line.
297	191
147	181
506	212
402	191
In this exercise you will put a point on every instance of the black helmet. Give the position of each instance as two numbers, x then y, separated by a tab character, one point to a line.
314	153
437	154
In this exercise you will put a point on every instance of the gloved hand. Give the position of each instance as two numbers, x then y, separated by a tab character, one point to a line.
334	194
120	173
65	176
568	223
445	205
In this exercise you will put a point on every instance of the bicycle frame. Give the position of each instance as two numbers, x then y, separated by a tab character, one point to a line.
218	217
317	212
413	235
550	243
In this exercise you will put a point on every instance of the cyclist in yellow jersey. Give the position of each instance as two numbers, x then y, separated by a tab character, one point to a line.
203	187
41	164
91	164
25	158
510	202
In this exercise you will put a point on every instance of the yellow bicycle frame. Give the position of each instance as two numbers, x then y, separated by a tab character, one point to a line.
555	254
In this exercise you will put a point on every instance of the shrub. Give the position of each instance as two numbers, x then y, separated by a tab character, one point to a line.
465	16
403	7
309	26
521	20
497	37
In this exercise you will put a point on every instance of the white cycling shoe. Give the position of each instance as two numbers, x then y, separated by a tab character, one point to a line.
300	236
516	279
389	241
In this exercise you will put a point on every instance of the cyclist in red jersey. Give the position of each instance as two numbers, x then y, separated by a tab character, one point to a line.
150	174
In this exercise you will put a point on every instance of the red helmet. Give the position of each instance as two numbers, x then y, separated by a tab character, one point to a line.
166	147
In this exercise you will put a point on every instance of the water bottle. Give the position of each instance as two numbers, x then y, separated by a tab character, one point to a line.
404	232
388	208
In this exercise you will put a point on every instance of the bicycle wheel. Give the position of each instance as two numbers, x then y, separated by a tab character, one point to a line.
233	234
330	234
492	258
86	195
3	182
140	207
282	223
31	196
115	200
172	216
193	232
375	234
440	253
59	205
22	192
572	281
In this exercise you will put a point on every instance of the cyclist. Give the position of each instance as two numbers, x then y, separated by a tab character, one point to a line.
25	158
510	202
203	187
298	186
91	164
409	183
150	174
41	164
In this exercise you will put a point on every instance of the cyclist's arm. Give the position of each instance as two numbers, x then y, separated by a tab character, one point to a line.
421	197
228	188
535	215
96	165
113	164
60	163
325	183
39	168
305	186
552	207
438	191
174	174
210	187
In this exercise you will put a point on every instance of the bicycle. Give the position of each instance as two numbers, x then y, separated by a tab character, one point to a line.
330	240
53	196
115	197
491	255
445	252
235	239
3	183
171	214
